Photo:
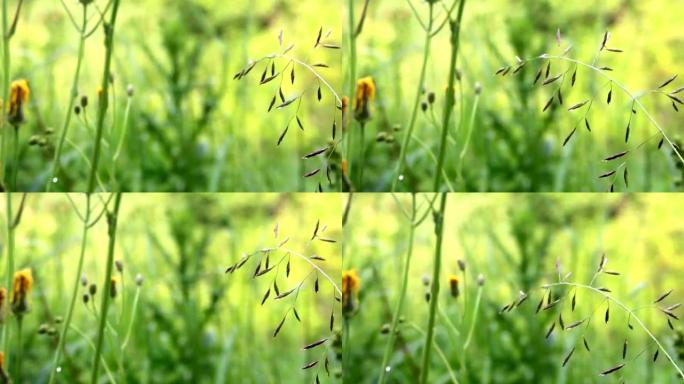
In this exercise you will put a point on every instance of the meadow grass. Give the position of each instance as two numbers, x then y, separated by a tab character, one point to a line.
497	262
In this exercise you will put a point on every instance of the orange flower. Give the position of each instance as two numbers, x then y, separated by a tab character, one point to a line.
351	283
23	284
19	95
365	93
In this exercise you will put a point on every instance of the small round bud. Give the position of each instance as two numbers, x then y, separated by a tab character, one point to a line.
77	109
425	279
431	97
480	279
84	280
461	265
130	90
385	329
84	101
86	298
138	279
119	265
478	88
424	106
92	289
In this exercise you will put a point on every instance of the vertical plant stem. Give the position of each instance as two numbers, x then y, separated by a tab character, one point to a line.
9	271
73	94
402	295
434	291
5	88
450	97
416	104
74	294
15	151
473	321
17	374
466	142
104	94
352	78
362	155
112	218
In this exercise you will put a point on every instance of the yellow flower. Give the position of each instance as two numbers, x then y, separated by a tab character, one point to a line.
365	93
19	95
453	284
351	283
23	284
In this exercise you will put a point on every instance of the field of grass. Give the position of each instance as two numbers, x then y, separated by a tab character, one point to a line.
176	118
497	136
500	255
180	313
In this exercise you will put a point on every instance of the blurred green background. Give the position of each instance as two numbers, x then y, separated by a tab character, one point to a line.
193	323
514	146
192	127
514	241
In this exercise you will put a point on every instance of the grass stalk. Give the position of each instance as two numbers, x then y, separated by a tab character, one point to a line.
112	218
449	101
469	337
73	94
104	94
434	291
9	271
416	104
74	294
466	142
402	295
352	76
5	87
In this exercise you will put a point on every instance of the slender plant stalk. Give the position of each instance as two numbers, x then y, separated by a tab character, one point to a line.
450	97
15	151
9	271
362	155
17	375
439	351
416	104
469	338
469	132
74	294
73	94
6	89
434	291
104	95
352	76
112	218
402	296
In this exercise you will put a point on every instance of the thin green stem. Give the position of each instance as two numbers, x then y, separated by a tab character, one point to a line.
112	218
466	143
74	294
450	96
15	151
73	94
104	95
416	104
17	375
434	292
6	88
439	351
352	77
9	271
130	323
402	295
471	329
362	155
